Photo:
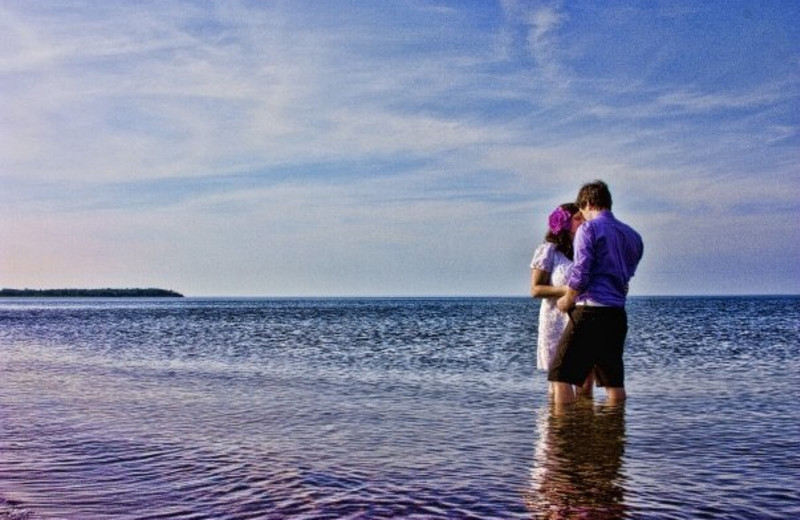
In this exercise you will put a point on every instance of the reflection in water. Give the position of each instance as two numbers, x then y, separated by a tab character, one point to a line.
577	467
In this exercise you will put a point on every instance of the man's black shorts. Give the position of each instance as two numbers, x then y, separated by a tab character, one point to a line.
594	337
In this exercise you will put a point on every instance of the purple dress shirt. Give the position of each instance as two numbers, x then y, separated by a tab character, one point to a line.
607	252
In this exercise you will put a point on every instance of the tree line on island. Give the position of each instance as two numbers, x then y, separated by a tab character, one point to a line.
89	293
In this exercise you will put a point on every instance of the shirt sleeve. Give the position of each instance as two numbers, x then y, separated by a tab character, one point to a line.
543	257
584	256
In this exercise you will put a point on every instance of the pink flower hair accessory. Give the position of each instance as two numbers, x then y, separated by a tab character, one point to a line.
559	220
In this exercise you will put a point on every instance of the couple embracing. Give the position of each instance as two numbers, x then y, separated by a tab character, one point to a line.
581	272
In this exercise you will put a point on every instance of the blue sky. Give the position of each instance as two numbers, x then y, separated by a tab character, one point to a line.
408	147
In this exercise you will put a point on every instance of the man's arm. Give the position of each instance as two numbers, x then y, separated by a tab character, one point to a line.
579	276
584	254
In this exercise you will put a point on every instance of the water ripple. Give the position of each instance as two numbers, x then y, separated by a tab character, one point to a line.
314	409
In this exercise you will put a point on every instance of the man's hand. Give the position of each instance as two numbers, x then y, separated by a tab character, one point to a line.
566	302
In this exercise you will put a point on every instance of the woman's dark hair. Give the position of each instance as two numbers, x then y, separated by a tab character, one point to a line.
594	194
562	240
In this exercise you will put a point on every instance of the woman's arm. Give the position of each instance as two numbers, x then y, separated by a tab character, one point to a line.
541	288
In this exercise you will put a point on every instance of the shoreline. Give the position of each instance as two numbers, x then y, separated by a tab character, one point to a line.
89	293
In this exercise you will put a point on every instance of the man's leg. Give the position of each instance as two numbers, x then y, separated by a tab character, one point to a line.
614	331
570	360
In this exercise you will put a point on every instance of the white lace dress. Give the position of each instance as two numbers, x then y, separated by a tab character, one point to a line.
551	321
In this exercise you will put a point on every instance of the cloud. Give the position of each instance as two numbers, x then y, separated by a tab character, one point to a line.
704	102
543	22
538	27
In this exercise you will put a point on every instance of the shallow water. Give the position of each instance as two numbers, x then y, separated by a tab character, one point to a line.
389	409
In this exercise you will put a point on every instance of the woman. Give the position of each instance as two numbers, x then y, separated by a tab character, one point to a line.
550	269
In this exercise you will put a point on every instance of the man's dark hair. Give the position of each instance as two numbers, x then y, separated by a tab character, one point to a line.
595	194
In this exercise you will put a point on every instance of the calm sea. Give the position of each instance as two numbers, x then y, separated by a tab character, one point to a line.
390	408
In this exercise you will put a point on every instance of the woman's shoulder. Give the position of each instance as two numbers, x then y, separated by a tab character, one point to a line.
543	256
545	249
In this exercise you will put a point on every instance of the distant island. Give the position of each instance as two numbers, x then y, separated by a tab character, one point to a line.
88	293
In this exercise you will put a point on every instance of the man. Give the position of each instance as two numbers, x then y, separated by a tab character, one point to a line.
607	253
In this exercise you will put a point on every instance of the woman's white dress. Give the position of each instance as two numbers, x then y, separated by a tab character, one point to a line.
551	321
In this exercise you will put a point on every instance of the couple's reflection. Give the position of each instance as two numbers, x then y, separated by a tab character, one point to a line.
577	465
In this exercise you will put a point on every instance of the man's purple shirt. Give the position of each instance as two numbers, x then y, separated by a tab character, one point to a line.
607	252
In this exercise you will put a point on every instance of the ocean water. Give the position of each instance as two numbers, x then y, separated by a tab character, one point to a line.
390	408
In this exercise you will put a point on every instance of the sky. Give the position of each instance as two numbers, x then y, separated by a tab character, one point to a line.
393	148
